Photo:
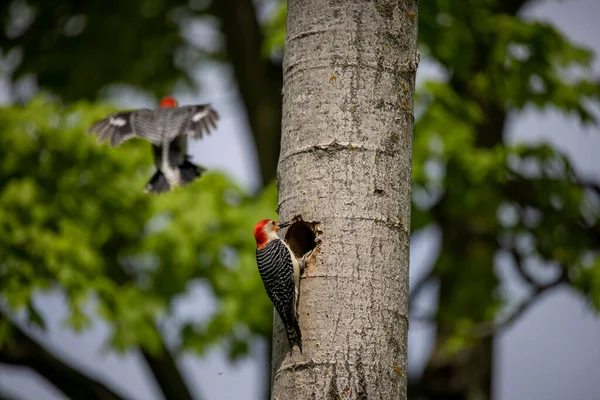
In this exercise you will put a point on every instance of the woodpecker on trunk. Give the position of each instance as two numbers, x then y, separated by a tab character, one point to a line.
166	128
280	273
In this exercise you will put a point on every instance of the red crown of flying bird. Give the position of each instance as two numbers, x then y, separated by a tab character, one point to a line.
168	102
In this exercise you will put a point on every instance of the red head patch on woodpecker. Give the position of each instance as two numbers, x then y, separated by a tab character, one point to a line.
262	230
168	102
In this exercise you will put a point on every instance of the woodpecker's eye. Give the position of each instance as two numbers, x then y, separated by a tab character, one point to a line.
272	222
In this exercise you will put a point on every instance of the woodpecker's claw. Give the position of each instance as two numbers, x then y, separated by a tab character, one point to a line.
303	261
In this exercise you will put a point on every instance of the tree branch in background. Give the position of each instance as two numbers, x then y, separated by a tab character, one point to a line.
22	350
259	83
418	287
511	7
167	375
7	395
521	268
593	186
259	80
162	365
414	388
491	328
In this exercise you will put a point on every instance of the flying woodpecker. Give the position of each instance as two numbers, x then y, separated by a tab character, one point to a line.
166	128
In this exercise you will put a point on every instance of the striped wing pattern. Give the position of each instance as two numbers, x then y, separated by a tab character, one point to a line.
122	126
277	272
199	119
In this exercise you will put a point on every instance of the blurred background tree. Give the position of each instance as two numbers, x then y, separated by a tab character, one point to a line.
73	219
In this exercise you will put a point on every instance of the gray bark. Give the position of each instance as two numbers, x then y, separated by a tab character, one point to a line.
345	162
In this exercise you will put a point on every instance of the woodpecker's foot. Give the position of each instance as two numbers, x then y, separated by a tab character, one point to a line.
304	261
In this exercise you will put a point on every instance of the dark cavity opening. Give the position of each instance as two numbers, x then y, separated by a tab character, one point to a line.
301	236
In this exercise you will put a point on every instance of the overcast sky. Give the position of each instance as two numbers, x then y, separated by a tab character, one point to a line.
553	353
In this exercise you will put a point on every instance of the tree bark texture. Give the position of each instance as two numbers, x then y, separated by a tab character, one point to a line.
345	162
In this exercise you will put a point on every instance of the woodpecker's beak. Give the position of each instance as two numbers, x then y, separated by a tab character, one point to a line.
282	225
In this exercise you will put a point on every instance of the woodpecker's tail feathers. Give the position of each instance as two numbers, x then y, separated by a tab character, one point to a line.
294	335
190	171
158	183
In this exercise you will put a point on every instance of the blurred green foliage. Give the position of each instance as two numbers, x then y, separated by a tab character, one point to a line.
76	48
517	62
74	219
501	196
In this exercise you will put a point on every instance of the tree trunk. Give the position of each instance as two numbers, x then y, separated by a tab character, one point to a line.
463	376
345	163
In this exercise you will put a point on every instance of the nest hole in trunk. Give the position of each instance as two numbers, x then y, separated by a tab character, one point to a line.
301	236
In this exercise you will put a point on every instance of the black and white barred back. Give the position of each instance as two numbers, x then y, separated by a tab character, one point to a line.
276	269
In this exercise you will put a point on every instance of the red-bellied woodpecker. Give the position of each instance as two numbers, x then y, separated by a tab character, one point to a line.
167	129
280	273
